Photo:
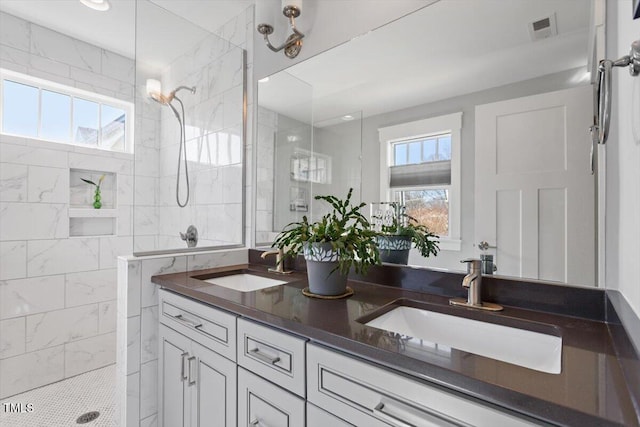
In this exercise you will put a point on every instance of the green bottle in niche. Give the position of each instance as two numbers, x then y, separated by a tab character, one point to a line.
97	197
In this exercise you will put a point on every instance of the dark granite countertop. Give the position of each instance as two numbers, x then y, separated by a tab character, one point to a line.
590	390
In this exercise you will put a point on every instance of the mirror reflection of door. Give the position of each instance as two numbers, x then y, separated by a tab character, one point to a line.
534	189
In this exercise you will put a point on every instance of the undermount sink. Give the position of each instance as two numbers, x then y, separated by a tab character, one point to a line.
541	351
244	282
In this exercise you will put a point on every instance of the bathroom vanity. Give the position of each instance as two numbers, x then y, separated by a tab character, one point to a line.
303	361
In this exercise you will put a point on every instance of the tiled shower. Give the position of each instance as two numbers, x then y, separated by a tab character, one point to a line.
58	278
58	284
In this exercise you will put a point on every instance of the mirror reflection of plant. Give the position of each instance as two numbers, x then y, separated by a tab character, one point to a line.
345	228
402	224
97	197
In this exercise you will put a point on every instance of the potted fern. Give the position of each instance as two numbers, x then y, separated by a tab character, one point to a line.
397	231
340	240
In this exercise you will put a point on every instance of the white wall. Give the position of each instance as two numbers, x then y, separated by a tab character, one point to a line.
623	162
57	294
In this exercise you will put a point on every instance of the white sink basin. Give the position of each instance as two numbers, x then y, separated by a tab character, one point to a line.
244	282
533	350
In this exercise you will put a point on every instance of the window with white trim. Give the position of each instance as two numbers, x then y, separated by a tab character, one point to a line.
36	108
420	168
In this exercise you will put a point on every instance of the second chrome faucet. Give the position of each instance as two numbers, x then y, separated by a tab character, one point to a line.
473	281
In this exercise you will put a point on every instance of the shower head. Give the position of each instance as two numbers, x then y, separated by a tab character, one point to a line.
154	90
173	92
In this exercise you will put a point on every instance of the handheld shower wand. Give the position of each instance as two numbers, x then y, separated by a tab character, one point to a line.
154	92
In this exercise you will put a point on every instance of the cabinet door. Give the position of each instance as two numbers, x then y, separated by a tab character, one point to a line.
173	393
213	389
262	404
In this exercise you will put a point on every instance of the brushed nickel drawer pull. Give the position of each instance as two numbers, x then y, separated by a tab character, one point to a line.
257	422
188	322
259	355
395	421
191	381
427	419
182	375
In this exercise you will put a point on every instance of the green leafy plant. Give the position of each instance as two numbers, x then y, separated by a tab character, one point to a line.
345	228
402	224
97	197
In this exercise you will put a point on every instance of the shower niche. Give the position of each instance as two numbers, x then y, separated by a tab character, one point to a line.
84	218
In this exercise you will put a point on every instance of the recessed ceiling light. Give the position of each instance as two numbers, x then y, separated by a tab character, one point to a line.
101	5
347	117
263	80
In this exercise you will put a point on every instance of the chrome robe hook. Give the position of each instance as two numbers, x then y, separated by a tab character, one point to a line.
603	116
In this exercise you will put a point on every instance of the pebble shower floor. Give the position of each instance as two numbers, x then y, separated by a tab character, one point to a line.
60	404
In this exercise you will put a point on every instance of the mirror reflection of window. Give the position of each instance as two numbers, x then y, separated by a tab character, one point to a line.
311	167
428	204
425	150
422	172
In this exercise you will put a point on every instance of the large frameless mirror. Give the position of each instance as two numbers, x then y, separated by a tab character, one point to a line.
478	124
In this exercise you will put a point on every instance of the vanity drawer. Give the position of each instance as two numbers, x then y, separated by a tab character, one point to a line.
364	394
213	328
262	404
272	354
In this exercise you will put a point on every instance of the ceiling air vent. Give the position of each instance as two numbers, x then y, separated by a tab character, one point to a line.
543	28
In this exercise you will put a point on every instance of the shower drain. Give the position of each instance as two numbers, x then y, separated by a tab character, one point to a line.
88	417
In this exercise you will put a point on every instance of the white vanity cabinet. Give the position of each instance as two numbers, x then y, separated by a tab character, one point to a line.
218	369
267	357
197	386
367	395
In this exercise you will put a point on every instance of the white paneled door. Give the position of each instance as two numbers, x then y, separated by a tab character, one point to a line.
535	195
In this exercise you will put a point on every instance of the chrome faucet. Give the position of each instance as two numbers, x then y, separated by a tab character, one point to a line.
279	268
473	281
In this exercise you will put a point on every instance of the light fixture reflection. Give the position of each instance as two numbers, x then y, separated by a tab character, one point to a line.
99	5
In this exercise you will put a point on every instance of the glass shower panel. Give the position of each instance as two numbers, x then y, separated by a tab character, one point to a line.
201	78
283	154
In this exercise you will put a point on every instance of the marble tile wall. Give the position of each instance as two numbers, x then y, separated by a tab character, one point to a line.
215	151
57	293
137	332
